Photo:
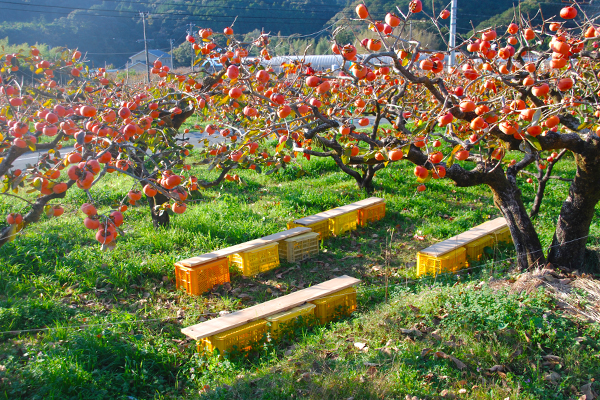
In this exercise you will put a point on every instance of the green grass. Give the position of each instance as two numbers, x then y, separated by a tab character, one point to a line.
115	317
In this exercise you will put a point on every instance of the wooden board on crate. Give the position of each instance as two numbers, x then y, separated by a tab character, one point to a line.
278	237
226	252
311	219
239	318
464	238
371	201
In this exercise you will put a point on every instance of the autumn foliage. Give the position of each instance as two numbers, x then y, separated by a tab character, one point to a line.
515	89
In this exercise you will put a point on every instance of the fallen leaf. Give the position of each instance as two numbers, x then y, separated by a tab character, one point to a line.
411	332
588	392
552	377
551	357
497	368
372	371
459	364
370	364
425	352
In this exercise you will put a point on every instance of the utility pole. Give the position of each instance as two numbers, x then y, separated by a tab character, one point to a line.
144	15
171	43
452	34
191	33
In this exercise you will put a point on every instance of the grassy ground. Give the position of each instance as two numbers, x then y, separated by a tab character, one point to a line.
115	317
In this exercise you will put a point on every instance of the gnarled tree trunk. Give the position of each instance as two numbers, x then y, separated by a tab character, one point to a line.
507	197
575	218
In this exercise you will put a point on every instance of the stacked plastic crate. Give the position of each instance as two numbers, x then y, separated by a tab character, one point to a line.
340	220
241	330
457	252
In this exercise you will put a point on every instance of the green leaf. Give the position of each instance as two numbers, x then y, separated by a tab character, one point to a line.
534	142
370	155
451	158
345	159
426	179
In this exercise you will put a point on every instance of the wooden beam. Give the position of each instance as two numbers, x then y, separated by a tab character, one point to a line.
262	310
448	245
277	237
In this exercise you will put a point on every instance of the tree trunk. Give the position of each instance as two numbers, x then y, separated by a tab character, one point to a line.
507	197
159	220
575	218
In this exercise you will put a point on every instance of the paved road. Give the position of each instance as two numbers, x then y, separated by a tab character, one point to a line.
33	156
193	138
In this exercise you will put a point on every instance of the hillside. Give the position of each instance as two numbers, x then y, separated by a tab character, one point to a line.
110	31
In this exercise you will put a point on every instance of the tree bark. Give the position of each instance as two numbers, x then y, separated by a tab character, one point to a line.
507	197
159	220
575	218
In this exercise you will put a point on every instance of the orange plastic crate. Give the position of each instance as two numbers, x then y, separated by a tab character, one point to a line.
449	262
257	260
241	338
202	278
333	306
371	213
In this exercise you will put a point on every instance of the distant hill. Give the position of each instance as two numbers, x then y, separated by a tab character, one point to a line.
111	30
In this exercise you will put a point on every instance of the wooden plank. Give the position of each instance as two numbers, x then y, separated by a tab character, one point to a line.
287	234
260	311
204	258
199	260
464	238
371	201
311	219
252	244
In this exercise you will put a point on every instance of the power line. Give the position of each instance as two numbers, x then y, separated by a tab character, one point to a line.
170	14
167	15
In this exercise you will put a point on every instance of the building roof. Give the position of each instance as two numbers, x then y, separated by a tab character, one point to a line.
320	62
156	53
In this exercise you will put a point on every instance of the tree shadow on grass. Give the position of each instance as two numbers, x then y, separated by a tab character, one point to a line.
95	364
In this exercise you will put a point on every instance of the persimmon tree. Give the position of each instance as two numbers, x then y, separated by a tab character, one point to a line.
521	88
87	128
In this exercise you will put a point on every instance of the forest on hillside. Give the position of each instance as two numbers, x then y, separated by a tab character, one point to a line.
110	31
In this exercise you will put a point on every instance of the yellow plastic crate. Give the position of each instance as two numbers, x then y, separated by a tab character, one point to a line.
300	247
503	235
338	304
449	262
283	319
370	214
475	248
292	225
343	223
257	260
241	338
202	278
